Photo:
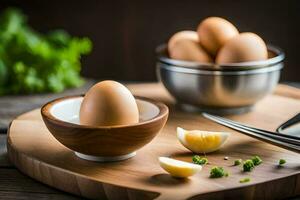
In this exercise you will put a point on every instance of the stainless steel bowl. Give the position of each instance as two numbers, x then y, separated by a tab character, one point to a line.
223	89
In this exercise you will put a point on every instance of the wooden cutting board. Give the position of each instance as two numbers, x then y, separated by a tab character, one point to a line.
36	152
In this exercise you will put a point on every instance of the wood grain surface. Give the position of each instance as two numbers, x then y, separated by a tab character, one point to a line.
36	153
14	105
17	186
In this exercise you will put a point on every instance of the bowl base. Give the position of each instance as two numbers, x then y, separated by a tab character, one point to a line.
105	158
213	110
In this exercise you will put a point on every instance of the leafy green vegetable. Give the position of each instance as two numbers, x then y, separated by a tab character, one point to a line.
248	166
245	180
31	62
282	162
199	160
237	162
218	172
256	160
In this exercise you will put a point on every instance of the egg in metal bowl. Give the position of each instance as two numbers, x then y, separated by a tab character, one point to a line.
229	88
103	143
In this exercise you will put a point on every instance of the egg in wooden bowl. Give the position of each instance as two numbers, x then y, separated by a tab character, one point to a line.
98	142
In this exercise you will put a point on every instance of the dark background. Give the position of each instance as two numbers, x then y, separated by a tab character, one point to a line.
125	33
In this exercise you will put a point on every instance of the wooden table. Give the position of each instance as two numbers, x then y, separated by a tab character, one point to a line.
15	185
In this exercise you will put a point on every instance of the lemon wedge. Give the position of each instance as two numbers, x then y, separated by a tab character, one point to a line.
201	141
178	168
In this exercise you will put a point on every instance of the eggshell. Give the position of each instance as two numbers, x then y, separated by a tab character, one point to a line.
185	45
242	48
108	103
214	32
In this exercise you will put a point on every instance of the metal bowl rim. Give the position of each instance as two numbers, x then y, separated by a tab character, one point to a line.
253	65
185	70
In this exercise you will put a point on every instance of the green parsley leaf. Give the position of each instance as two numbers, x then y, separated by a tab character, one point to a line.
237	162
218	172
32	62
282	162
199	160
248	166
256	160
245	180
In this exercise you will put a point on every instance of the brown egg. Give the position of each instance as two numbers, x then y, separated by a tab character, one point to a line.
108	103
185	45
242	48
214	32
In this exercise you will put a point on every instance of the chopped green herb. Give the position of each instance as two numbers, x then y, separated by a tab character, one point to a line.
218	172
248	166
282	162
199	160
237	162
245	180
256	160
226	174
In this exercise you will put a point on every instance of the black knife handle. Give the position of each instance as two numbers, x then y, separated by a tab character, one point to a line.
289	123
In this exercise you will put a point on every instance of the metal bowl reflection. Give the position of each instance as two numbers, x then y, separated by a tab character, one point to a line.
223	89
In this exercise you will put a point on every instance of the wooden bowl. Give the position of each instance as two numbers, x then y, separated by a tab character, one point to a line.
103	143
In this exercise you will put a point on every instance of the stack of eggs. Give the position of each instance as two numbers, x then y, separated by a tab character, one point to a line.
219	41
218	69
